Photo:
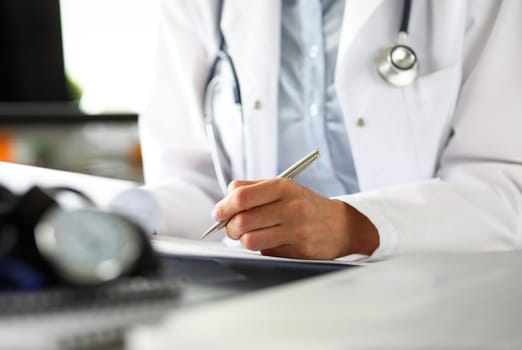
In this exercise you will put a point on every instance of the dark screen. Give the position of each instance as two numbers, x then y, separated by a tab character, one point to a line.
31	52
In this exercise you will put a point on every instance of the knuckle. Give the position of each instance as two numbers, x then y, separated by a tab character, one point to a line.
248	241
277	184
306	251
241	222
231	232
298	207
233	185
240	196
282	182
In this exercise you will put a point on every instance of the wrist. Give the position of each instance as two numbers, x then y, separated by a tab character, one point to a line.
362	236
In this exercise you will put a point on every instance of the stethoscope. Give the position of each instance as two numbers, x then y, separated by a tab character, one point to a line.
396	64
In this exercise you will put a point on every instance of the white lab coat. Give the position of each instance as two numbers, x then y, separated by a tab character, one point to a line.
439	162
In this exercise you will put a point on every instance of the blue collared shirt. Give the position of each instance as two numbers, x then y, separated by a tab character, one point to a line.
310	116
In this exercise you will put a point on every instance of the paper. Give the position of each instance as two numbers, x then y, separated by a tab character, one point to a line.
19	178
187	247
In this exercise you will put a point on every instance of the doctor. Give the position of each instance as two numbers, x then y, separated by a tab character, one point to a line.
432	164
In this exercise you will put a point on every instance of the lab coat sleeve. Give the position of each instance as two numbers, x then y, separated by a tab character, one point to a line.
177	165
475	202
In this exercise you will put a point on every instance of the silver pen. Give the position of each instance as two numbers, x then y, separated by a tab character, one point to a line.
289	173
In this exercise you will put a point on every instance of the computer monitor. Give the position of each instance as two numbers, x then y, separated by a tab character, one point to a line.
31	52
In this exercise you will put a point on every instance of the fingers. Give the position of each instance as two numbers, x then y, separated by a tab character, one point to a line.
267	238
292	251
271	235
275	241
246	195
284	251
255	219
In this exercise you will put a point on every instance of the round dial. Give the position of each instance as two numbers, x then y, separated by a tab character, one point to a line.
88	246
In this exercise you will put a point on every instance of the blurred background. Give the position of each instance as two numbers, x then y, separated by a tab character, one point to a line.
74	75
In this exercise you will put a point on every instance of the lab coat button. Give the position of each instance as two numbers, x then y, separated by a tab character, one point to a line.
257	104
314	50
313	109
360	122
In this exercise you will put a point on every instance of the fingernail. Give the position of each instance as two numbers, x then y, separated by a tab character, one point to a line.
214	215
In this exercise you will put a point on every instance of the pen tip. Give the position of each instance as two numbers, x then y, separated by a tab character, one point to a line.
216	227
207	232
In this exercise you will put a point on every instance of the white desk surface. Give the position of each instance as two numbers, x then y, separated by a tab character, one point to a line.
430	301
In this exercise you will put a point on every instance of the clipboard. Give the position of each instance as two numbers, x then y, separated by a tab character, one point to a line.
238	256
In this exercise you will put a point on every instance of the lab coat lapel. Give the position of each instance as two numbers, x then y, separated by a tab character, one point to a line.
356	13
354	89
252	31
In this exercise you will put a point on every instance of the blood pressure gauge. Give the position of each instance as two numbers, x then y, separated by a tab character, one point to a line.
86	246
61	235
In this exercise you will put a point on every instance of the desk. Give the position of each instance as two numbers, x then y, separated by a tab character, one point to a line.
428	301
202	281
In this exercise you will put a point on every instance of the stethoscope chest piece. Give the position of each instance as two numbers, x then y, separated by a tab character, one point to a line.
397	64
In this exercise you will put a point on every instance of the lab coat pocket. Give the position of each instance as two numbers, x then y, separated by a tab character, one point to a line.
430	104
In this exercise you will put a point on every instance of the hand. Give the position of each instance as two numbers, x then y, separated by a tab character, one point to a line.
280	217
